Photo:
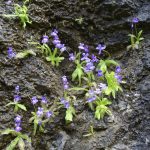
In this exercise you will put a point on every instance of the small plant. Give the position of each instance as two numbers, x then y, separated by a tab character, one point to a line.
16	102
136	37
22	13
42	115
91	132
79	20
19	137
52	55
101	108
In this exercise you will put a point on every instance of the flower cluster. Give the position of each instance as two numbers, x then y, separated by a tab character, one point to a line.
65	103
95	92
18	123
17	97
65	82
11	53
57	42
83	47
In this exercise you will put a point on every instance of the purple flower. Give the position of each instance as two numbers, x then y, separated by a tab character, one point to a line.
85	57
56	42
18	123
99	73
66	104
102	86
98	91
54	33
135	20
10	52
65	82
63	48
34	100
45	39
62	100
64	79
18	129
40	111
118	69
118	77
81	46
71	57
89	67
44	99
17	98
94	58
100	48
17	89
91	99
86	48
18	119
49	114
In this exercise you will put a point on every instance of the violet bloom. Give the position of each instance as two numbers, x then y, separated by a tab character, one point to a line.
118	77
63	48
99	73
118	69
66	105
100	48
81	46
40	111
18	129
102	86
65	82
94	58
91	99
86	48
71	57
54	33
45	39
85	57
135	20
17	98
34	100
10	52
17	119
17	89
89	67
62	100
56	42
49	114
92	95
44	99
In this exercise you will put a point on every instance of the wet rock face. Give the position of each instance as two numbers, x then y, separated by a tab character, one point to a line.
92	22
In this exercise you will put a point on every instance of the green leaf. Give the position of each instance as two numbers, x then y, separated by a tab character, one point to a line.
109	62
25	54
113	85
7	131
78	73
102	66
69	113
77	89
13	144
22	107
11	103
21	144
25	137
35	126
